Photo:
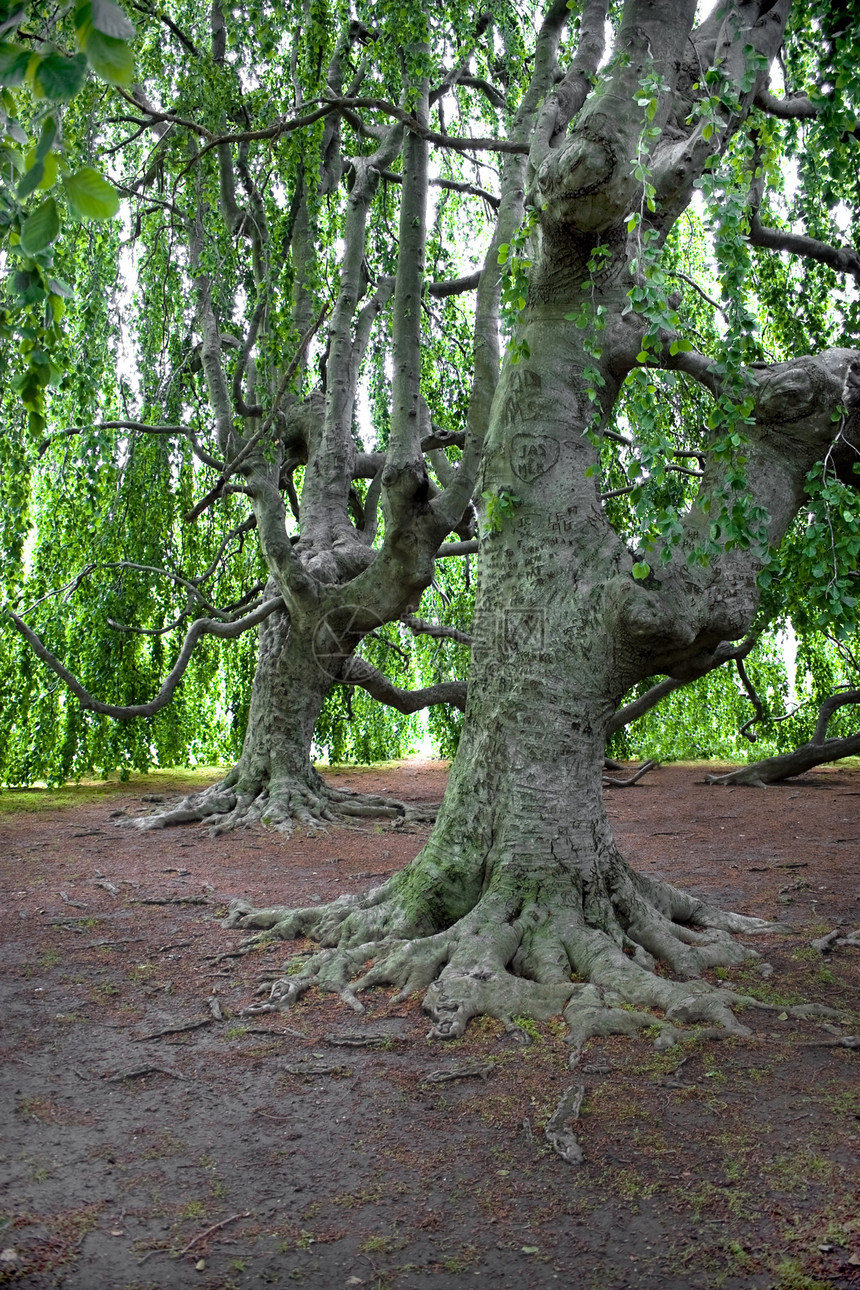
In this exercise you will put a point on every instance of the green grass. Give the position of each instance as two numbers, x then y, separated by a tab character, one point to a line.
88	791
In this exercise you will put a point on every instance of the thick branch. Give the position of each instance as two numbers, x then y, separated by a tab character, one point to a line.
405	444
243	456
455	287
637	708
569	95
844	259
796	108
359	672
441	631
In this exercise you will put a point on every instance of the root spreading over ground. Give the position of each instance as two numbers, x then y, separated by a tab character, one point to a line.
280	804
533	951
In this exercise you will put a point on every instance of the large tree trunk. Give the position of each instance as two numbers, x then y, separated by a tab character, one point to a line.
521	885
274	781
521	902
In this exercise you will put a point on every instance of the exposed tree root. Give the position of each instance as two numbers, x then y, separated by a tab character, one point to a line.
281	804
633	779
588	954
557	1131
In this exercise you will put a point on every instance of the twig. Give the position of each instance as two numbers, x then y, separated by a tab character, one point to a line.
76	904
142	1070
107	884
209	1230
175	1030
360	1041
310	1069
267	1030
171	900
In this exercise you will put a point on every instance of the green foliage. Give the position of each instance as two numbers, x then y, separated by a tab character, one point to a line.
513	258
39	80
99	324
499	506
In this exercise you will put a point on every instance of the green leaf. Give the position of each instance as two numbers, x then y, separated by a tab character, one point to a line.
111	59
641	570
643	356
59	77
110	20
14	61
90	196
60	288
46	139
15	131
31	180
41	228
50	166
12	157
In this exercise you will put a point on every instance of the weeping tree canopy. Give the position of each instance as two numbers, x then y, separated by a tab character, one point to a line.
578	282
223	397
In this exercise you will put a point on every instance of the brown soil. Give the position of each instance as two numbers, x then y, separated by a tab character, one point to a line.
261	1150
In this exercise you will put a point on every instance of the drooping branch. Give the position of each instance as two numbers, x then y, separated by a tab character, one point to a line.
200	627
788	765
844	259
755	699
182	36
420	128
139	427
827	709
454	185
286	125
637	708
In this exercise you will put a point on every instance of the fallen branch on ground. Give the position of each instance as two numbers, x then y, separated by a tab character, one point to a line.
473	1070
175	1030
171	900
201	1236
140	1072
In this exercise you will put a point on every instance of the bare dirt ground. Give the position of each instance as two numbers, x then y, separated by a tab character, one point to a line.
148	1144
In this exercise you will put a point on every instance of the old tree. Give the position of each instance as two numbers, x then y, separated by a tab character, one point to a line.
314	203
521	886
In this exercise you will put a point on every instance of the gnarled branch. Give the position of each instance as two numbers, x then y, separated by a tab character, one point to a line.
200	627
